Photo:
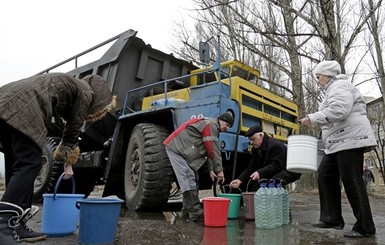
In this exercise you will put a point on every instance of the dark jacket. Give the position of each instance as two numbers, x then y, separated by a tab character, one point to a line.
28	105
270	162
368	175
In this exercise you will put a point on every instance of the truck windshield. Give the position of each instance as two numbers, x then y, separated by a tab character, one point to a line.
240	72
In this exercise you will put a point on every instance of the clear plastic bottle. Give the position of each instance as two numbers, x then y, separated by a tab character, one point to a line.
160	102
264	215
276	202
166	102
285	203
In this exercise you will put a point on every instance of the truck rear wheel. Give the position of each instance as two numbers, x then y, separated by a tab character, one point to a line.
148	173
51	170
85	178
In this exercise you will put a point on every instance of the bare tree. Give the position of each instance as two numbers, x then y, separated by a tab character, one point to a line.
375	24
377	119
286	38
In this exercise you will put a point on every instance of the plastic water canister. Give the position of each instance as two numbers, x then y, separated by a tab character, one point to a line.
264	216
285	204
160	102
166	102
276	202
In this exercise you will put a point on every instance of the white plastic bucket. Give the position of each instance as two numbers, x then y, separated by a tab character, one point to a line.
302	154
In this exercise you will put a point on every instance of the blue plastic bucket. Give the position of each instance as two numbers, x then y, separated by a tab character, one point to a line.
98	220
60	216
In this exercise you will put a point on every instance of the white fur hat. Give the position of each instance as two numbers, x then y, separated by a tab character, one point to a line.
328	68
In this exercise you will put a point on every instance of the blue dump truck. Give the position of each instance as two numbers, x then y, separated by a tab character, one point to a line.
157	92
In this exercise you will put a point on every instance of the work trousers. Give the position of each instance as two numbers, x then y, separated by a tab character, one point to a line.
348	166
23	161
186	176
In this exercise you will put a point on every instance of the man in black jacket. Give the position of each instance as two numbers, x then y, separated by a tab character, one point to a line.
268	160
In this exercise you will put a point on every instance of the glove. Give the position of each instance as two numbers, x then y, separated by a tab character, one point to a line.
66	153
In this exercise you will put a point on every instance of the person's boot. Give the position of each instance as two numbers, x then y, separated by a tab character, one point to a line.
25	233
191	201
9	213
184	212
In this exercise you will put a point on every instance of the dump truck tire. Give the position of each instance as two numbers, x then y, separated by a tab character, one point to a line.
148	173
51	170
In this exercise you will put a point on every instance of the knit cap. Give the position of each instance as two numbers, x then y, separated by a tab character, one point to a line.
328	68
227	117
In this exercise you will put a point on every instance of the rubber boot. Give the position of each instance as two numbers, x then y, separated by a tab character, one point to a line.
184	212
193	206
8	234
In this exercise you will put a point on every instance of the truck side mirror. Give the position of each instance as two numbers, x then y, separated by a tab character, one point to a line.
204	52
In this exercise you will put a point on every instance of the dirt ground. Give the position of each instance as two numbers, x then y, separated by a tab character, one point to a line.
136	228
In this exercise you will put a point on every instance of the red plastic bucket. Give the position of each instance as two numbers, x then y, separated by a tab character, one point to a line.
215	210
214	236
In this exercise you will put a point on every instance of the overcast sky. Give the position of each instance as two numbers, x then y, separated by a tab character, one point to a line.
36	34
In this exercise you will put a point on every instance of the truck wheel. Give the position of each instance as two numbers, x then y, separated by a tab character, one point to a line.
148	173
46	180
51	170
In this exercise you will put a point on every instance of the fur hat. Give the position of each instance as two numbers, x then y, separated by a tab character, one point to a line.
254	129
328	68
227	117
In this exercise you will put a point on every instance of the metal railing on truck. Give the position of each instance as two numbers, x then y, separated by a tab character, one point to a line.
75	58
165	86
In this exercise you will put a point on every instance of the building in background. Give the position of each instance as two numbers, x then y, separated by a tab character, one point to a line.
375	160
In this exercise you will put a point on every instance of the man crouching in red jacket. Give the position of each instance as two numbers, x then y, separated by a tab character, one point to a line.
190	146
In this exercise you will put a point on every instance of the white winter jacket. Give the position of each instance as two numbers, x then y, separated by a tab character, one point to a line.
343	117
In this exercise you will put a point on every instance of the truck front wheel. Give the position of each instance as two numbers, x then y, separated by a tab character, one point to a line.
148	173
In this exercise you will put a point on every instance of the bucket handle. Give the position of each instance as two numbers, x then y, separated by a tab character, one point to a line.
77	204
223	188
247	186
58	183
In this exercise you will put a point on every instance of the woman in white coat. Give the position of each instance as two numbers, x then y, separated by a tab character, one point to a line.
347	134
